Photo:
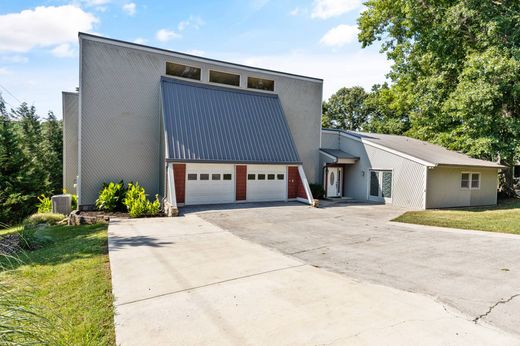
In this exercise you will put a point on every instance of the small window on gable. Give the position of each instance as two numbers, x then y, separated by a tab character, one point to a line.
224	78
184	71
260	83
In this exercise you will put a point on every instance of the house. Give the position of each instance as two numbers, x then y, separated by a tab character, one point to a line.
196	130
190	129
403	171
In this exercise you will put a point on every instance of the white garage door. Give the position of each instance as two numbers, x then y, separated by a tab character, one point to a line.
210	184
266	183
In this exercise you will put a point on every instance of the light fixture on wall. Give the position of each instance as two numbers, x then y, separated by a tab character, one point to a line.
362	173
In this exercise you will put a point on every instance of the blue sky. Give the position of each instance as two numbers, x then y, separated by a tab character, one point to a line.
39	50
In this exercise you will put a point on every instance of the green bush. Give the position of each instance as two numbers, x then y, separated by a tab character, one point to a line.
74	199
111	197
44	218
317	191
137	203
45	205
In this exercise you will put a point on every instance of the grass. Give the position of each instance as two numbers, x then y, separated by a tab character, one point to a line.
504	217
60	293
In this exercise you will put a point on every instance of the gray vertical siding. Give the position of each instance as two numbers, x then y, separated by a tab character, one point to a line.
70	140
444	187
120	114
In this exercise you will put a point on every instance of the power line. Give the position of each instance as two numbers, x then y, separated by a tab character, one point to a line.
10	93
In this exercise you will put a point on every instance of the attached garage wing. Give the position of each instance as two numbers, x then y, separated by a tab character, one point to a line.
210	184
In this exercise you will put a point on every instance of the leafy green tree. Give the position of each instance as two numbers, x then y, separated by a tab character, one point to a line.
455	72
345	109
13	201
52	150
385	115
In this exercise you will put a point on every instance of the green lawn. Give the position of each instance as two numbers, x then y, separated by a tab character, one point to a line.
505	217
59	294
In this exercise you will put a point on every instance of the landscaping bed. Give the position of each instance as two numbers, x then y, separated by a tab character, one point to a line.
60	293
504	217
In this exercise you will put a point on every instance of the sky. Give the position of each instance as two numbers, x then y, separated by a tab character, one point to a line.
318	38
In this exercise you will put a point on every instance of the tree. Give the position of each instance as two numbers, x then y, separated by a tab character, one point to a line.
345	109
52	151
455	72
385	116
13	204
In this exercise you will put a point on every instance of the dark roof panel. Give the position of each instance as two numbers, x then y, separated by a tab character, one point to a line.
339	154
206	123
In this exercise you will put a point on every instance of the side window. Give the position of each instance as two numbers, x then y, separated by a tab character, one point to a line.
475	181
464	181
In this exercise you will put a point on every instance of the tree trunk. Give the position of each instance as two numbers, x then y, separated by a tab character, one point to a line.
506	186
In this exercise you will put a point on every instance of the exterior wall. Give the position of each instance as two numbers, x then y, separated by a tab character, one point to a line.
444	187
179	175
409	177
70	140
241	182
120	114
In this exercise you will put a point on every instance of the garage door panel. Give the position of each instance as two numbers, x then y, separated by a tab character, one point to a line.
266	183
210	184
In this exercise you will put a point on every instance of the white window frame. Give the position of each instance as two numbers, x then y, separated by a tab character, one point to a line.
380	199
470	180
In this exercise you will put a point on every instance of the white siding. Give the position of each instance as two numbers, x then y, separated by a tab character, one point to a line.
444	188
409	178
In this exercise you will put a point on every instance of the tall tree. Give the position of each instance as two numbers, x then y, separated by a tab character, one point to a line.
345	109
13	201
456	71
52	150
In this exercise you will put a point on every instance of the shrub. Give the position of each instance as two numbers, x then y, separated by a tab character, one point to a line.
44	218
137	203
317	191
111	197
74	200
45	205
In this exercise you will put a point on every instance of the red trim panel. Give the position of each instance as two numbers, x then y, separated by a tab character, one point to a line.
241	187
179	175
293	180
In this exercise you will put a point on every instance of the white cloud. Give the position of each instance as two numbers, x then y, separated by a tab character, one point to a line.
64	50
339	35
14	59
295	12
324	9
165	35
140	40
95	2
4	71
43	26
130	8
364	68
192	21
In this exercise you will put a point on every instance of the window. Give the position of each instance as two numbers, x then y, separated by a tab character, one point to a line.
227	176
224	78
261	176
183	71
204	176
270	177
215	176
250	177
259	83
280	176
470	181
192	176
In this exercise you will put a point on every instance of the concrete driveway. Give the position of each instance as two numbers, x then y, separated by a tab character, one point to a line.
188	281
477	273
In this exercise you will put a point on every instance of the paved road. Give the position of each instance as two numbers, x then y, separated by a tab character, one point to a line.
477	273
186	281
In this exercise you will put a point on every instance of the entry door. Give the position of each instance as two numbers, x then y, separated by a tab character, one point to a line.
380	187
333	182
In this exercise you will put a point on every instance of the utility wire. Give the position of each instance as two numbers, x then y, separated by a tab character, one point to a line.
10	93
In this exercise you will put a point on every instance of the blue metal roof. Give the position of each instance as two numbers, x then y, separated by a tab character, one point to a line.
207	123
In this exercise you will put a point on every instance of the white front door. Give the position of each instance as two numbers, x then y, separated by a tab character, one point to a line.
333	181
380	186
